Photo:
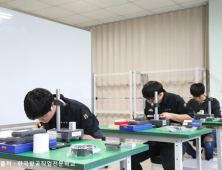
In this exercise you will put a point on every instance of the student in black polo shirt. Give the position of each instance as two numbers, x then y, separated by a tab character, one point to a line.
171	106
198	103
39	104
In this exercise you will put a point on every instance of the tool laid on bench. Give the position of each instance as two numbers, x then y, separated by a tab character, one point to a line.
113	146
192	123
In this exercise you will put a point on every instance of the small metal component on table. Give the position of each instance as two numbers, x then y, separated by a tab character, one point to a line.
113	146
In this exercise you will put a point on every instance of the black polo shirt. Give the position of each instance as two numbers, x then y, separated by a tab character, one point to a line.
170	103
215	106
77	112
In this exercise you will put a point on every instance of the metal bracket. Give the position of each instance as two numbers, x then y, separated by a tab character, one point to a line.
156	105
59	103
208	99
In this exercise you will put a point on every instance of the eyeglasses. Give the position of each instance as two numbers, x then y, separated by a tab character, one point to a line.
151	100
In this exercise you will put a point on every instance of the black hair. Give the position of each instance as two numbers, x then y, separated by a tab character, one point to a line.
197	89
37	103
150	87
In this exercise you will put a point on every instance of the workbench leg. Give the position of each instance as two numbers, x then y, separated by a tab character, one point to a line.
128	163
178	155
123	163
198	153
219	147
152	166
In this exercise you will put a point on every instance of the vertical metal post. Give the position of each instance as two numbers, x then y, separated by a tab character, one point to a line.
135	104
128	163
58	110
178	155
205	80
145	78
198	153
152	166
156	116
131	93
122	163
196	75
219	147
145	81
141	88
94	97
209	104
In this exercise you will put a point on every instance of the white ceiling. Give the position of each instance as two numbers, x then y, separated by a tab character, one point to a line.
84	13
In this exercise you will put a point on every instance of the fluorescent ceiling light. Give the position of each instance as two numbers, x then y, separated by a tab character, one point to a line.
4	14
5	17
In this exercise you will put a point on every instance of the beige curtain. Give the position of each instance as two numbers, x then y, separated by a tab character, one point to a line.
173	40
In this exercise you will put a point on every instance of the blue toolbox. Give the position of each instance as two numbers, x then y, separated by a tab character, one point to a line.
135	127
9	148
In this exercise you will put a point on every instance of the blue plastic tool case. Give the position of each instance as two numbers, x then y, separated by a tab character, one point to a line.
135	127
22	147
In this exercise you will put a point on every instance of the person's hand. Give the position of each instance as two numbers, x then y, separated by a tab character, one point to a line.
49	129
165	115
36	127
198	112
89	137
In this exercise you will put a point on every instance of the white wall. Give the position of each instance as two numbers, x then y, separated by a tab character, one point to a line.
35	52
215	47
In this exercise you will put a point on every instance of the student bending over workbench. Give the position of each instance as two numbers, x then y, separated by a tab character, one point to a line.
199	102
171	106
39	104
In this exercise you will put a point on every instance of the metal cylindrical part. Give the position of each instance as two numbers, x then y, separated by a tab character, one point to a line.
209	104
72	125
202	112
156	116
58	110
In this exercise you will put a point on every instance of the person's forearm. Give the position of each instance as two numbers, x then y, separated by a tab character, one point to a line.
89	137
180	117
36	126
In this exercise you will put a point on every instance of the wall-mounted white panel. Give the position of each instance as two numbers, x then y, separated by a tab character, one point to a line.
215	52
35	52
